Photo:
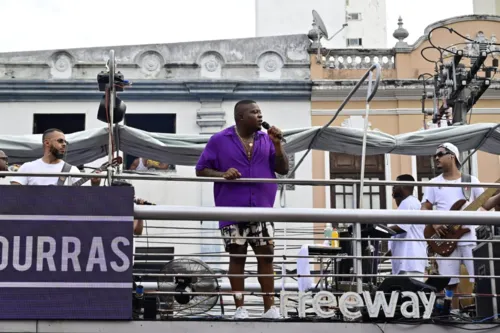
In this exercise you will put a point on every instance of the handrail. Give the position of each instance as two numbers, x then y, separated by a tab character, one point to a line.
296	181
311	215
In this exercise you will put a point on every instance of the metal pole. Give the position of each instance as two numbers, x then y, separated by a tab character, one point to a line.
357	263
363	147
493	280
111	110
312	215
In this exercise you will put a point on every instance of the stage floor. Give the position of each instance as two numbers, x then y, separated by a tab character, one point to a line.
229	326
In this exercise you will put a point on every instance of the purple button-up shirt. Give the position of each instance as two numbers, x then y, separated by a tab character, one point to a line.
223	151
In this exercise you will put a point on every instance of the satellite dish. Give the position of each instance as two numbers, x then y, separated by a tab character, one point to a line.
321	25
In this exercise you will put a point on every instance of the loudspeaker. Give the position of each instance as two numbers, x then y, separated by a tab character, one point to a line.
150	307
404	283
484	304
118	111
401	284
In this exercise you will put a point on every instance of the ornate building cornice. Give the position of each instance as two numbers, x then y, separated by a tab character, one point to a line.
154	90
263	58
337	90
208	72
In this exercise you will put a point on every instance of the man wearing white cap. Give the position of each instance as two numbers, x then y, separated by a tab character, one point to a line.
448	161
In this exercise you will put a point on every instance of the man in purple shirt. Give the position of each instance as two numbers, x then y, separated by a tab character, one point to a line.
245	151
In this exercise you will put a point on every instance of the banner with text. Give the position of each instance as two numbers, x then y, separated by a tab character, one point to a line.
66	252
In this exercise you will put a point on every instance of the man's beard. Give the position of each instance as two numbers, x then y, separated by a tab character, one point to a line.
57	154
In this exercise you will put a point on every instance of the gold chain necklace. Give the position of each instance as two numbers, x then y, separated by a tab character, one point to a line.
245	143
249	142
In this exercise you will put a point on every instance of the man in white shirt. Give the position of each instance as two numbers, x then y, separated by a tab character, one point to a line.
54	148
406	201
448	160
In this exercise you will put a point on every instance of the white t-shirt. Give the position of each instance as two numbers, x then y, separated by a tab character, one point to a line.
444	197
40	166
409	249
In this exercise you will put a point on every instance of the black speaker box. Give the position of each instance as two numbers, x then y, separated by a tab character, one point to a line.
404	283
401	284
150	307
484	304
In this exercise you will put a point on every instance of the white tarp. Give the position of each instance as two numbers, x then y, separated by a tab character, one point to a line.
180	149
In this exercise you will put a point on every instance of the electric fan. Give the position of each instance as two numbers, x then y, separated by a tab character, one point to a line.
185	304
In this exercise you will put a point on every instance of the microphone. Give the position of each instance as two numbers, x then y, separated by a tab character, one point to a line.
267	126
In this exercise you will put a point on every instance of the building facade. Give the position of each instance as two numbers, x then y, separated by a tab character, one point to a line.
396	108
184	88
486	7
365	19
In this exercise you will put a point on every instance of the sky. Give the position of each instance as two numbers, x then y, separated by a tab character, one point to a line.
58	24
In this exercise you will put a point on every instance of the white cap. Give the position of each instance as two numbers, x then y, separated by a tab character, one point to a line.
453	149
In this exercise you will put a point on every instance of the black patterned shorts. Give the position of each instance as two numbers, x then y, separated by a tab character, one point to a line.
248	229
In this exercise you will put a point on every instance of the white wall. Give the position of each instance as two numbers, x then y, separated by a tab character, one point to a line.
372	27
485	7
283	17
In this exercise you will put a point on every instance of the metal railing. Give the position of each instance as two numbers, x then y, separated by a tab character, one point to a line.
303	216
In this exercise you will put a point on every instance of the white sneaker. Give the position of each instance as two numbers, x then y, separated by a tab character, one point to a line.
241	313
272	313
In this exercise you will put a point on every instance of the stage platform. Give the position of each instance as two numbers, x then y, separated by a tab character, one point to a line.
229	326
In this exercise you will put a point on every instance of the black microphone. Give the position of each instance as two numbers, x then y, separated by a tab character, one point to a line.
267	126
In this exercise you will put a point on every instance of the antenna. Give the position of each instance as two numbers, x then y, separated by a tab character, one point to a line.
320	25
319	31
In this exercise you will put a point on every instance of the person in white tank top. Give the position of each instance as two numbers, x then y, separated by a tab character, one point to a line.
448	160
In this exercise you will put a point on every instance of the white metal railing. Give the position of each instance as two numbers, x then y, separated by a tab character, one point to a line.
300	182
300	215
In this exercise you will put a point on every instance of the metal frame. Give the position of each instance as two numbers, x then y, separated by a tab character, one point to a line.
301	182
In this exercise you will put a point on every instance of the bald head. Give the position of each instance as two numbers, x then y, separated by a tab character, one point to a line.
4	165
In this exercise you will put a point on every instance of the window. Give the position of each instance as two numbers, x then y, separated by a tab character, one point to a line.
354	16
354	42
156	123
66	122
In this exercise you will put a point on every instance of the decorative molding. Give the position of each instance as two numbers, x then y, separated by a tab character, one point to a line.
338	90
211	116
154	90
61	65
211	63
285	57
450	21
386	112
270	64
151	63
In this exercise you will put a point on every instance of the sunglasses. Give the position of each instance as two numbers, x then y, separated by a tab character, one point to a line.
441	154
6	159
